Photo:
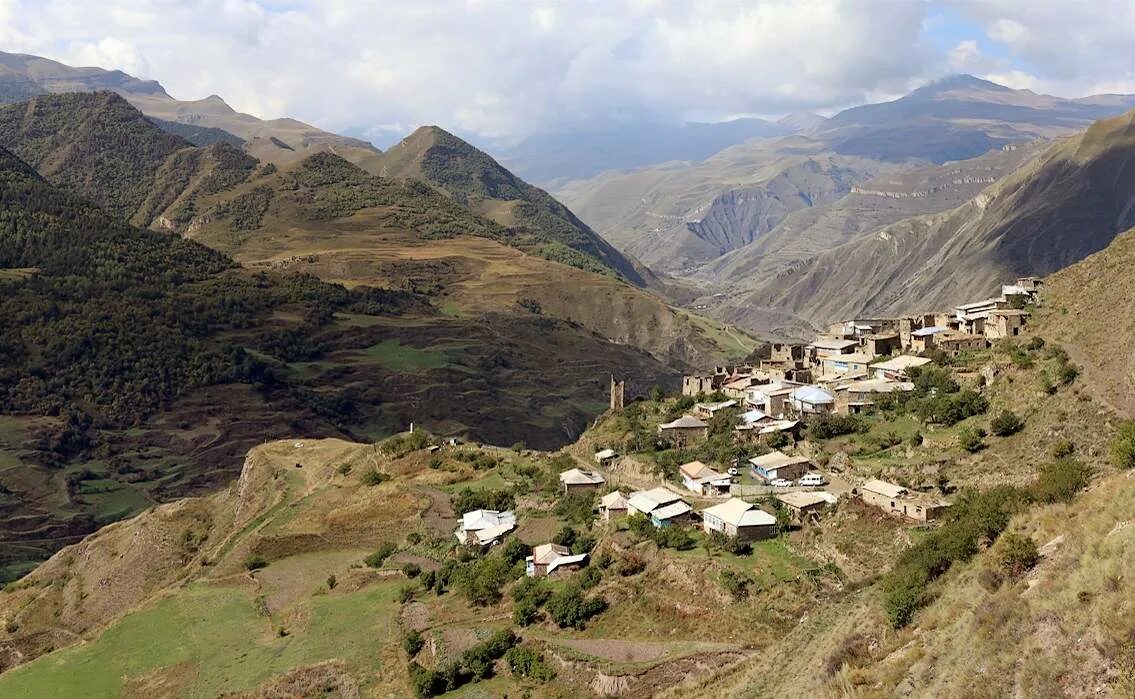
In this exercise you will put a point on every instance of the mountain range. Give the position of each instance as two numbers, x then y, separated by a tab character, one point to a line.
750	224
306	296
202	121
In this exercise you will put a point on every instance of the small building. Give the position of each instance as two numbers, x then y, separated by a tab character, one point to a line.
739	519
703	480
831	347
602	457
882	344
662	505
736	388
790	427
577	479
697	385
709	410
812	400
856	396
685	430
770	398
674	513
895	499
549	558
613	506
777	464
1007	322
485	527
805	505
845	364
895	369
923	338
954	343
755	417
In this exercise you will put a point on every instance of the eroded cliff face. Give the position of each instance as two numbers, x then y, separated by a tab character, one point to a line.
737	217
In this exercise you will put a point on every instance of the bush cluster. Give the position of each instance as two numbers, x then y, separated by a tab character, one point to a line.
475	664
975	518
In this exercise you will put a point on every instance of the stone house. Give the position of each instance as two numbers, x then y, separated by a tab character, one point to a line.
739	519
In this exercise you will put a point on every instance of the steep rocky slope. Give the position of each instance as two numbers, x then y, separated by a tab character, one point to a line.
1086	311
1065	205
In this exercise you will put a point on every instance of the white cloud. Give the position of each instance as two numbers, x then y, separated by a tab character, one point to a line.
505	68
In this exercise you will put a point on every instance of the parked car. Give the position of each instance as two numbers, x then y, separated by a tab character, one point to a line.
812	479
733	471
780	483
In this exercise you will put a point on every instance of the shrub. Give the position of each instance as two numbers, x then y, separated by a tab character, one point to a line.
344	469
435	463
468	500
376	559
569	608
852	650
1034	344
515	550
974	518
482	581
1006	423
736	584
412	643
778	440
527	662
1062	448
971	438
332	581
1060	480
950	409
831	425
1015	554
631	564
916	439
411	570
931	379
406	593
255	562
590	577
577	507
1123	446
373	477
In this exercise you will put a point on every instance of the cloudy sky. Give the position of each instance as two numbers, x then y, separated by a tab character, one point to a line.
505	68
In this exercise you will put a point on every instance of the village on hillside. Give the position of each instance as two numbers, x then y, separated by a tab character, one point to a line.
857	365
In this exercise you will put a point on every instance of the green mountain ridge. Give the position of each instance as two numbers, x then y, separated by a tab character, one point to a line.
473	178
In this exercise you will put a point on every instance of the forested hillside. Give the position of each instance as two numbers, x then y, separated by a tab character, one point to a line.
139	365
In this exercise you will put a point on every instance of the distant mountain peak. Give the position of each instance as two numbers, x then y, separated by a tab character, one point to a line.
802	122
960	81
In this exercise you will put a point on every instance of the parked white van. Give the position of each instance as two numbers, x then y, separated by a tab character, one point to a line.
812	479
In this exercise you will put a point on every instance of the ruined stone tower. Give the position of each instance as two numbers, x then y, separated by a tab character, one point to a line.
618	389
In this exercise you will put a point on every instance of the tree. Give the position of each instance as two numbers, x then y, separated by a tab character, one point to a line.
1006	423
412	643
1123	446
525	661
656	394
971	438
736	584
569	608
1015	553
515	550
482	581
376	559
